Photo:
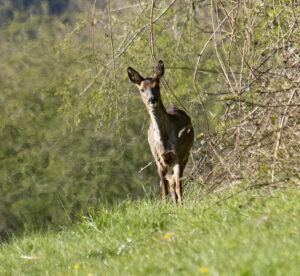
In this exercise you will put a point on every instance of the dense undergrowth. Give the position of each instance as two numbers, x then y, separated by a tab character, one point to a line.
254	233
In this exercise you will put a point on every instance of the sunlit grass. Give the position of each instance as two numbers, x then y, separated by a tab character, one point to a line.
249	234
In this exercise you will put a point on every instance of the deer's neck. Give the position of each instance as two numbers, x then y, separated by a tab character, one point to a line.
160	122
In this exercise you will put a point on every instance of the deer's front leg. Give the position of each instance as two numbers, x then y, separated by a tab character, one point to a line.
162	172
172	189
177	174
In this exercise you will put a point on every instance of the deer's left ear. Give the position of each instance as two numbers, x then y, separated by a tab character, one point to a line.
159	70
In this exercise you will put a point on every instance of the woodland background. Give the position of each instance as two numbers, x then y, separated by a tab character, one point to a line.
72	126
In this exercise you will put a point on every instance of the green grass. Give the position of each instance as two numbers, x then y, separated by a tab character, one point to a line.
249	234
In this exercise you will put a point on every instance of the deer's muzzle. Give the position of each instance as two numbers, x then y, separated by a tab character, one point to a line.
152	101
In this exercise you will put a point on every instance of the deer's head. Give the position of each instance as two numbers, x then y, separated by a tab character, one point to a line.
148	87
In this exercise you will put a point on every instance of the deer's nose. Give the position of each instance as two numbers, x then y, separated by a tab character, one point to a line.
152	101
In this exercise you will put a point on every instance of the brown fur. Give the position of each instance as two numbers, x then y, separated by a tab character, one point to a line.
170	134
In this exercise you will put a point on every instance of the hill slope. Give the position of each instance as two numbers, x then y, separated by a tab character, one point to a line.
249	234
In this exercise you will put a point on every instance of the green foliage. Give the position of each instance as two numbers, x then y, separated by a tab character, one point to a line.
58	155
60	151
72	126
246	235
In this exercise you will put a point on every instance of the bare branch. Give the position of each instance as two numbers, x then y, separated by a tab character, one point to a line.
114	67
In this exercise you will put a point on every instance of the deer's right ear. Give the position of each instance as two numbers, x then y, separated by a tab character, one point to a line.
134	76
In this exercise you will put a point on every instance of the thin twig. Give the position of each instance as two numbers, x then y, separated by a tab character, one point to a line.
150	163
207	42
93	35
63	206
282	121
151	39
254	186
124	8
122	51
114	67
197	64
261	105
217	51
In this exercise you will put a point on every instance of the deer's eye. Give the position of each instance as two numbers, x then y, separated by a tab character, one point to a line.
142	90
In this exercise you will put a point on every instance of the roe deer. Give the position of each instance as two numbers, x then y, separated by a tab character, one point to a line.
170	134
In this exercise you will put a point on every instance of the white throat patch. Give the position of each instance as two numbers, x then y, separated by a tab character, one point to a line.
157	136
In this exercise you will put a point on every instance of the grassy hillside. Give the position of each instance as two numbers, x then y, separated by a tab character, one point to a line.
250	234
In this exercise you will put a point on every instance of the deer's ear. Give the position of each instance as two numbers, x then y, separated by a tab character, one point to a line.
134	76
159	70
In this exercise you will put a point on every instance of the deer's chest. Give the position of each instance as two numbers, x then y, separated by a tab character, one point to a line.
162	146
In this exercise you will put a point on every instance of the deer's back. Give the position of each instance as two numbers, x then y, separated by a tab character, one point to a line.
179	116
183	130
